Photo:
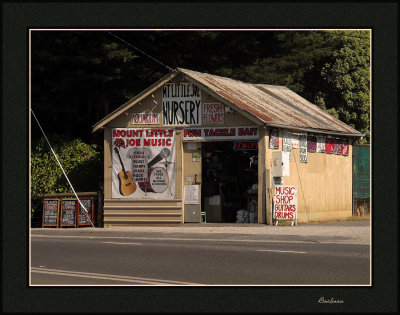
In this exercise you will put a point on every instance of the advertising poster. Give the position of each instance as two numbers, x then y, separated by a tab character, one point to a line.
329	145
295	141
181	103
303	147
320	144
337	147
345	147
311	144
274	139
287	143
285	202
143	163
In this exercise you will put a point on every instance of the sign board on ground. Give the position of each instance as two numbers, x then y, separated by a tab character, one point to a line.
50	212
68	212
83	217
285	203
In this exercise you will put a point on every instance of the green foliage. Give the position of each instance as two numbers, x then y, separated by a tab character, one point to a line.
79	77
81	162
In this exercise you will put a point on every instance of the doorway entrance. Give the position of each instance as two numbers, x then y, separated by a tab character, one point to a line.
229	188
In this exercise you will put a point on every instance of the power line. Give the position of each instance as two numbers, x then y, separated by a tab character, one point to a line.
59	163
124	41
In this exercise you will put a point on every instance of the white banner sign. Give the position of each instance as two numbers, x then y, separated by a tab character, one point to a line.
145	119
285	202
320	144
221	133
181	104
143	163
287	143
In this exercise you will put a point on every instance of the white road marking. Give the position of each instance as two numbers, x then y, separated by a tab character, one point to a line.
280	251
122	243
176	239
109	277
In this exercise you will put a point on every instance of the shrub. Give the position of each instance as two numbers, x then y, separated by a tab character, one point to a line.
81	162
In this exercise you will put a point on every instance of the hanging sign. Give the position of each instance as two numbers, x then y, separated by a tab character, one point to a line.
287	143
213	113
145	119
320	144
181	104
345	147
311	143
337	147
274	139
143	163
220	133
329	145
295	141
303	147
285	202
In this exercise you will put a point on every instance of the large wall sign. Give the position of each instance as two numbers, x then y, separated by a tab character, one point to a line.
181	104
143	163
220	133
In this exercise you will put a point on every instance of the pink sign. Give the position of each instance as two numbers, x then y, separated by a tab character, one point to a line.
213	113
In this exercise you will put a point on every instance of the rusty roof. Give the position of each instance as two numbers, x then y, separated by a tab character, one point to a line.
276	106
272	105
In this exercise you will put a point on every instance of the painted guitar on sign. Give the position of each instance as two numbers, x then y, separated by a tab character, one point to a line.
126	185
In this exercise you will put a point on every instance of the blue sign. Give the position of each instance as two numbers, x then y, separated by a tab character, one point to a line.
245	145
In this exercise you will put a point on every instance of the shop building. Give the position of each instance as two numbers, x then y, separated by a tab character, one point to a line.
197	147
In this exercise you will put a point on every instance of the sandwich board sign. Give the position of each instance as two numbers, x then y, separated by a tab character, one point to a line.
285	203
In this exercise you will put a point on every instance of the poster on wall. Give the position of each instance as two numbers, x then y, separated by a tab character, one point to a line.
337	147
285	202
329	145
274	139
287	143
345	147
213	113
303	147
143	163
311	143
295	141
181	103
320	144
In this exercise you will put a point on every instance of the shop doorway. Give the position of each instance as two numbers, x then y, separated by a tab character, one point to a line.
229	191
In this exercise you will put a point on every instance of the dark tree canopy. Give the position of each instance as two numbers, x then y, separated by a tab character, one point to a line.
79	77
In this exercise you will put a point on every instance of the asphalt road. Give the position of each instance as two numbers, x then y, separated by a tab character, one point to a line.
120	257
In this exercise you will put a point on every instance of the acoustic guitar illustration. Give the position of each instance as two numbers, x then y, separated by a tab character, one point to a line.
126	185
157	180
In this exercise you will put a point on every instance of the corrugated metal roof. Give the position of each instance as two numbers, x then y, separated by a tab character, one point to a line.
272	105
275	106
